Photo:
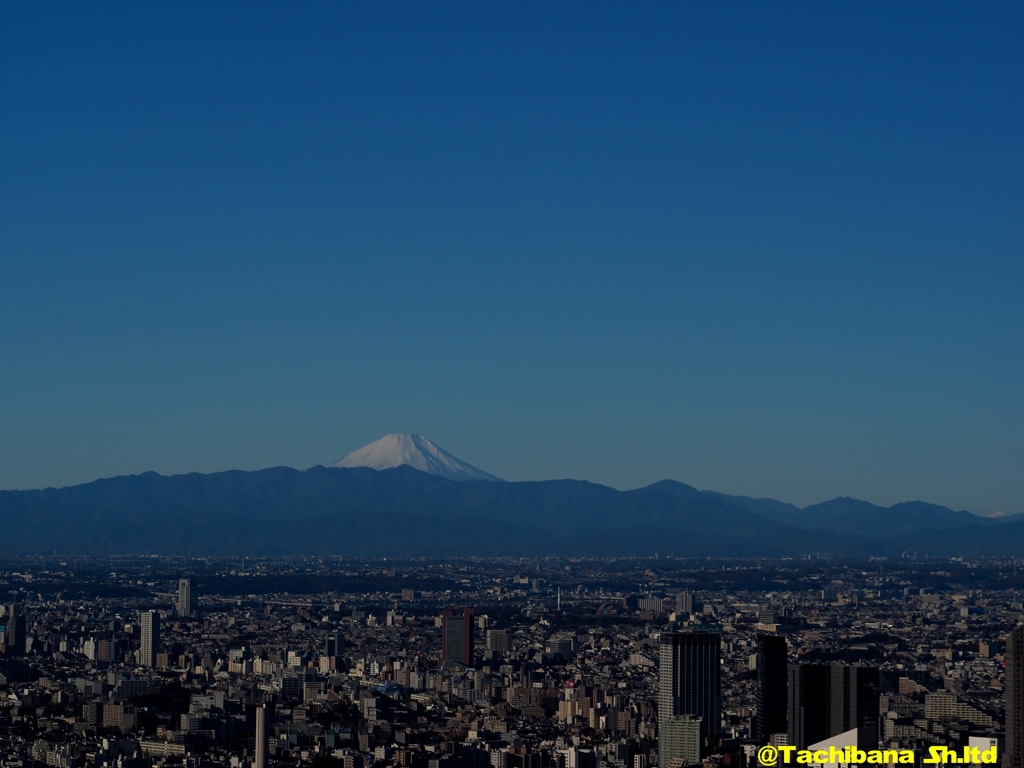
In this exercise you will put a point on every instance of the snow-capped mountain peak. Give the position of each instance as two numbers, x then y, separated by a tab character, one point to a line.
416	451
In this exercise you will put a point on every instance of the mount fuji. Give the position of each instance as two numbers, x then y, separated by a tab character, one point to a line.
417	452
403	496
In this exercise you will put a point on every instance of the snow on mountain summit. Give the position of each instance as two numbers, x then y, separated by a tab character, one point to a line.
416	451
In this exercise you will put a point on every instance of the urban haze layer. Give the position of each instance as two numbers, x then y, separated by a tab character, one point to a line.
510	663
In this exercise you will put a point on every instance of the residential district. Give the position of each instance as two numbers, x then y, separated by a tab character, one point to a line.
548	663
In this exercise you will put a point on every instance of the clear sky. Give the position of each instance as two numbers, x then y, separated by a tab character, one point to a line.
771	249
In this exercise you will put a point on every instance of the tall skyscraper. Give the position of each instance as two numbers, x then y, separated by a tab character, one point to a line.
261	737
684	603
185	598
690	678
150	638
1013	751
825	701
15	630
772	684
334	643
457	637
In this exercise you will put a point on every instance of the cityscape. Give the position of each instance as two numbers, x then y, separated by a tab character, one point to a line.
545	663
715	308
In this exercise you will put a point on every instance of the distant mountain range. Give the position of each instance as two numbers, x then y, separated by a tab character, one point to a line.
400	510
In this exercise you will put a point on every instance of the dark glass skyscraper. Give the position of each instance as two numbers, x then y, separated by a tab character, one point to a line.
825	701
772	683
690	678
457	637
334	643
16	630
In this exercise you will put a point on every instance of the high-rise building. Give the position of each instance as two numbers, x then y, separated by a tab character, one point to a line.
150	638
825	701
334	643
679	741
561	648
261	737
15	630
1013	751
772	683
499	640
690	678
185	598
457	637
684	603
653	604
106	650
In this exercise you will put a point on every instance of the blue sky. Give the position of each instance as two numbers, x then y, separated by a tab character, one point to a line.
764	249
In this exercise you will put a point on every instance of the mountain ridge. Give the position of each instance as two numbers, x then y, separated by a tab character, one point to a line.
403	510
